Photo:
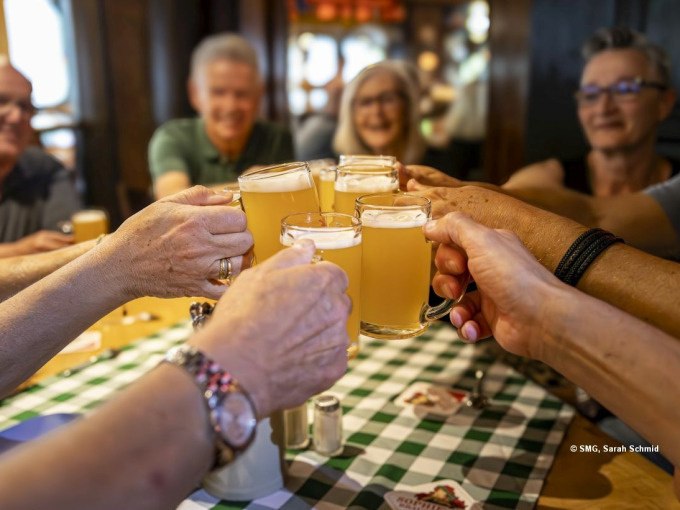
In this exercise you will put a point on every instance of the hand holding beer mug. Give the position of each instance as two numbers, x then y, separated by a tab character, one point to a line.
338	240
269	194
361	175
396	264
89	224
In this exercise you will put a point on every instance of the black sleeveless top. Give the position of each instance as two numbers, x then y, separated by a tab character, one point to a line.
576	174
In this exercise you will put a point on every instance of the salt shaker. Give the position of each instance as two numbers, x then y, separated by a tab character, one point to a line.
296	427
327	425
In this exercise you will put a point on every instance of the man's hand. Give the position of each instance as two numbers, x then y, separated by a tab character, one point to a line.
172	248
281	328
41	241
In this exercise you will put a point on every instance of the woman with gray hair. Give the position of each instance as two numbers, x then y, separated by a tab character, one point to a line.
379	114
625	93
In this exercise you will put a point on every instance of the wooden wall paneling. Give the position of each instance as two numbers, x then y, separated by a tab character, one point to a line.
508	85
661	25
97	158
265	24
559	28
131	97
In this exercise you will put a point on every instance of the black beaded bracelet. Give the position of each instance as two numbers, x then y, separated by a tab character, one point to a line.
583	251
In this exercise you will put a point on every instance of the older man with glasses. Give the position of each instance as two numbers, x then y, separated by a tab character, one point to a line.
625	93
35	190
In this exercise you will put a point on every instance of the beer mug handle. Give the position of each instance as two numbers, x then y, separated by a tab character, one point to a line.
432	313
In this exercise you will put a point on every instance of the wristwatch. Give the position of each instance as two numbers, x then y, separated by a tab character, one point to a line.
232	414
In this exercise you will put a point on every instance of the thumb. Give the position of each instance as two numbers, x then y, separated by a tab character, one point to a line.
454	228
198	195
301	252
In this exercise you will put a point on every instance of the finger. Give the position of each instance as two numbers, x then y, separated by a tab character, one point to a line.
220	219
469	332
449	286
236	266
414	185
211	289
301	252
450	259
197	195
230	245
465	310
454	228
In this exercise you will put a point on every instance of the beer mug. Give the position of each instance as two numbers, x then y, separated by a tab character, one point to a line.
89	224
323	173
396	262
363	175
338	240
269	194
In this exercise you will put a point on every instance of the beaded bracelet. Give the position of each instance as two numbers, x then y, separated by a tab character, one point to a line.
582	252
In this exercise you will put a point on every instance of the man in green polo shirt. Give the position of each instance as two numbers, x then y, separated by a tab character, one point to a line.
225	88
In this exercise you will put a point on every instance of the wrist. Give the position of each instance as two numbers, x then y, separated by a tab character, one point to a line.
557	316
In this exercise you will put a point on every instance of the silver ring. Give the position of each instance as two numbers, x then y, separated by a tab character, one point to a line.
225	269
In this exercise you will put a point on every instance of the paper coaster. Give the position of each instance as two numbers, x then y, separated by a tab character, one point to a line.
432	399
431	496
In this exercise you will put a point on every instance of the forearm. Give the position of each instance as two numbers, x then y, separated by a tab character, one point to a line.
621	361
17	273
562	201
134	453
38	322
11	250
640	284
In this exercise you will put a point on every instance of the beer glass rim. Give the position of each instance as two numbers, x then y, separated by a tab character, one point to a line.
274	171
420	202
88	210
349	157
353	221
361	169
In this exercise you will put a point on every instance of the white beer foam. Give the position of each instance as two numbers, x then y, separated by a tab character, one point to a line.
88	216
382	218
367	184
276	183
324	239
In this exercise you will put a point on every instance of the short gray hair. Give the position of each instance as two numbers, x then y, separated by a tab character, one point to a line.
225	46
621	38
346	139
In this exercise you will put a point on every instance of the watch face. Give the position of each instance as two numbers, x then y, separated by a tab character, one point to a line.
236	419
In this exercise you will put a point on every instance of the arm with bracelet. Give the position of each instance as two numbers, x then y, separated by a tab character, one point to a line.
150	446
636	282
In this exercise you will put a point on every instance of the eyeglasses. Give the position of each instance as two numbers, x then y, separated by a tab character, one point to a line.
622	91
386	100
25	107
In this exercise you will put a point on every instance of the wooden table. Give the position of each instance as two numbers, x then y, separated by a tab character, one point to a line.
576	481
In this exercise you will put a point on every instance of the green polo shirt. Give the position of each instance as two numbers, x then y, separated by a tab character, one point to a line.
183	145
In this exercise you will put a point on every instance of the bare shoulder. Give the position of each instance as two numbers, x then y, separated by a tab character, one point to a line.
544	174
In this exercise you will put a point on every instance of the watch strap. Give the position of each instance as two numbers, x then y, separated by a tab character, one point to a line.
215	383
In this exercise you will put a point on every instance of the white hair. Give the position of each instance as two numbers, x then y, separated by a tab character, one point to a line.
347	140
225	46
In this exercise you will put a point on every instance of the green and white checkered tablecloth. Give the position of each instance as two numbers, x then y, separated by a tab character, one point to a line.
500	455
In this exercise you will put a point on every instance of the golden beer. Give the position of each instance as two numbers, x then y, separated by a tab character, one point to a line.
89	224
355	180
338	240
268	195
327	189
395	266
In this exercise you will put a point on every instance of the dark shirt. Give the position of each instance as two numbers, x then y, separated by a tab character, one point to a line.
183	145
577	174
36	195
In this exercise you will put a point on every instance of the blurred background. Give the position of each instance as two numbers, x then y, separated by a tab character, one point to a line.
497	76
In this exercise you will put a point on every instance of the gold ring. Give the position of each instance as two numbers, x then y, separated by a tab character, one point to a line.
225	269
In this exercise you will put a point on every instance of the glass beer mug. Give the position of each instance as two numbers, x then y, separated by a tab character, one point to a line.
338	240
396	262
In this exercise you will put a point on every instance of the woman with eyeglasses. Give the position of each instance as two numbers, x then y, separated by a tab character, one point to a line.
625	93
379	115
